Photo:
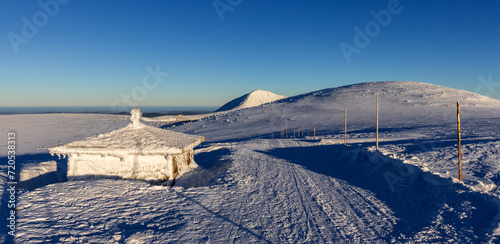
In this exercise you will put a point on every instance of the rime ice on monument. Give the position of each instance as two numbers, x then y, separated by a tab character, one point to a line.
137	151
135	117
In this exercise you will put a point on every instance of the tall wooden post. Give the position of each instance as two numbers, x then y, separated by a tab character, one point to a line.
377	120
294	131
314	129
345	127
307	129
459	144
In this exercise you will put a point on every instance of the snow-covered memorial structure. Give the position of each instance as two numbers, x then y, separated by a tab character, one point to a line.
137	151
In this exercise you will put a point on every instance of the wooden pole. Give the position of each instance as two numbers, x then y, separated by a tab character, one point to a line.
377	120
314	128
307	129
286	130
459	144
345	127
294	131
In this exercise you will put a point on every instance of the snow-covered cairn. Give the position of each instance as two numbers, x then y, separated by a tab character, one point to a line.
137	151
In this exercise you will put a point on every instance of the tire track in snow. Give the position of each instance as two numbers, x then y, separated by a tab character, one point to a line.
310	213
235	201
328	223
335	219
302	192
346	213
270	186
311	224
239	215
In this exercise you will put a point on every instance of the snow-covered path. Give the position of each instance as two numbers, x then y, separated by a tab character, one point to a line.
307	206
275	191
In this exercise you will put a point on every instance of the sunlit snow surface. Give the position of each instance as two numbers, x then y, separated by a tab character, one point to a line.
253	188
252	99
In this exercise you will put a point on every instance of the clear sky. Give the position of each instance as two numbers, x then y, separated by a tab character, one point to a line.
97	53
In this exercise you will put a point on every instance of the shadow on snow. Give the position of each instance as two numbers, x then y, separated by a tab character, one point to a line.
418	199
33	183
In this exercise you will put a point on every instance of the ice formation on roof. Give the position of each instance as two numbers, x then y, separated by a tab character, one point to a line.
134	139
136	117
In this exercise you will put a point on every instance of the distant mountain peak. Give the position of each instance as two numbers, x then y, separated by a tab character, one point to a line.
255	98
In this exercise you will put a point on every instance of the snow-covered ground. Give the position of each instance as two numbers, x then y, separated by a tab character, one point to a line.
254	186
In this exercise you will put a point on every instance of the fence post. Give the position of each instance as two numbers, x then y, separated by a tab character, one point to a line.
314	128
377	120
345	127
459	144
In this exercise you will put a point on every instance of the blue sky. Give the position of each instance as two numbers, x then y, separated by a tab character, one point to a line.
95	53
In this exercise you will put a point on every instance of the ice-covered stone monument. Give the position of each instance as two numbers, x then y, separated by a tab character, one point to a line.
137	151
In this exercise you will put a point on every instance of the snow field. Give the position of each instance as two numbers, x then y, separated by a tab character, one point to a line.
292	190
278	191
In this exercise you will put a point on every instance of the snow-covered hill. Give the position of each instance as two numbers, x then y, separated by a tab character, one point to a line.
255	186
402	104
252	99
